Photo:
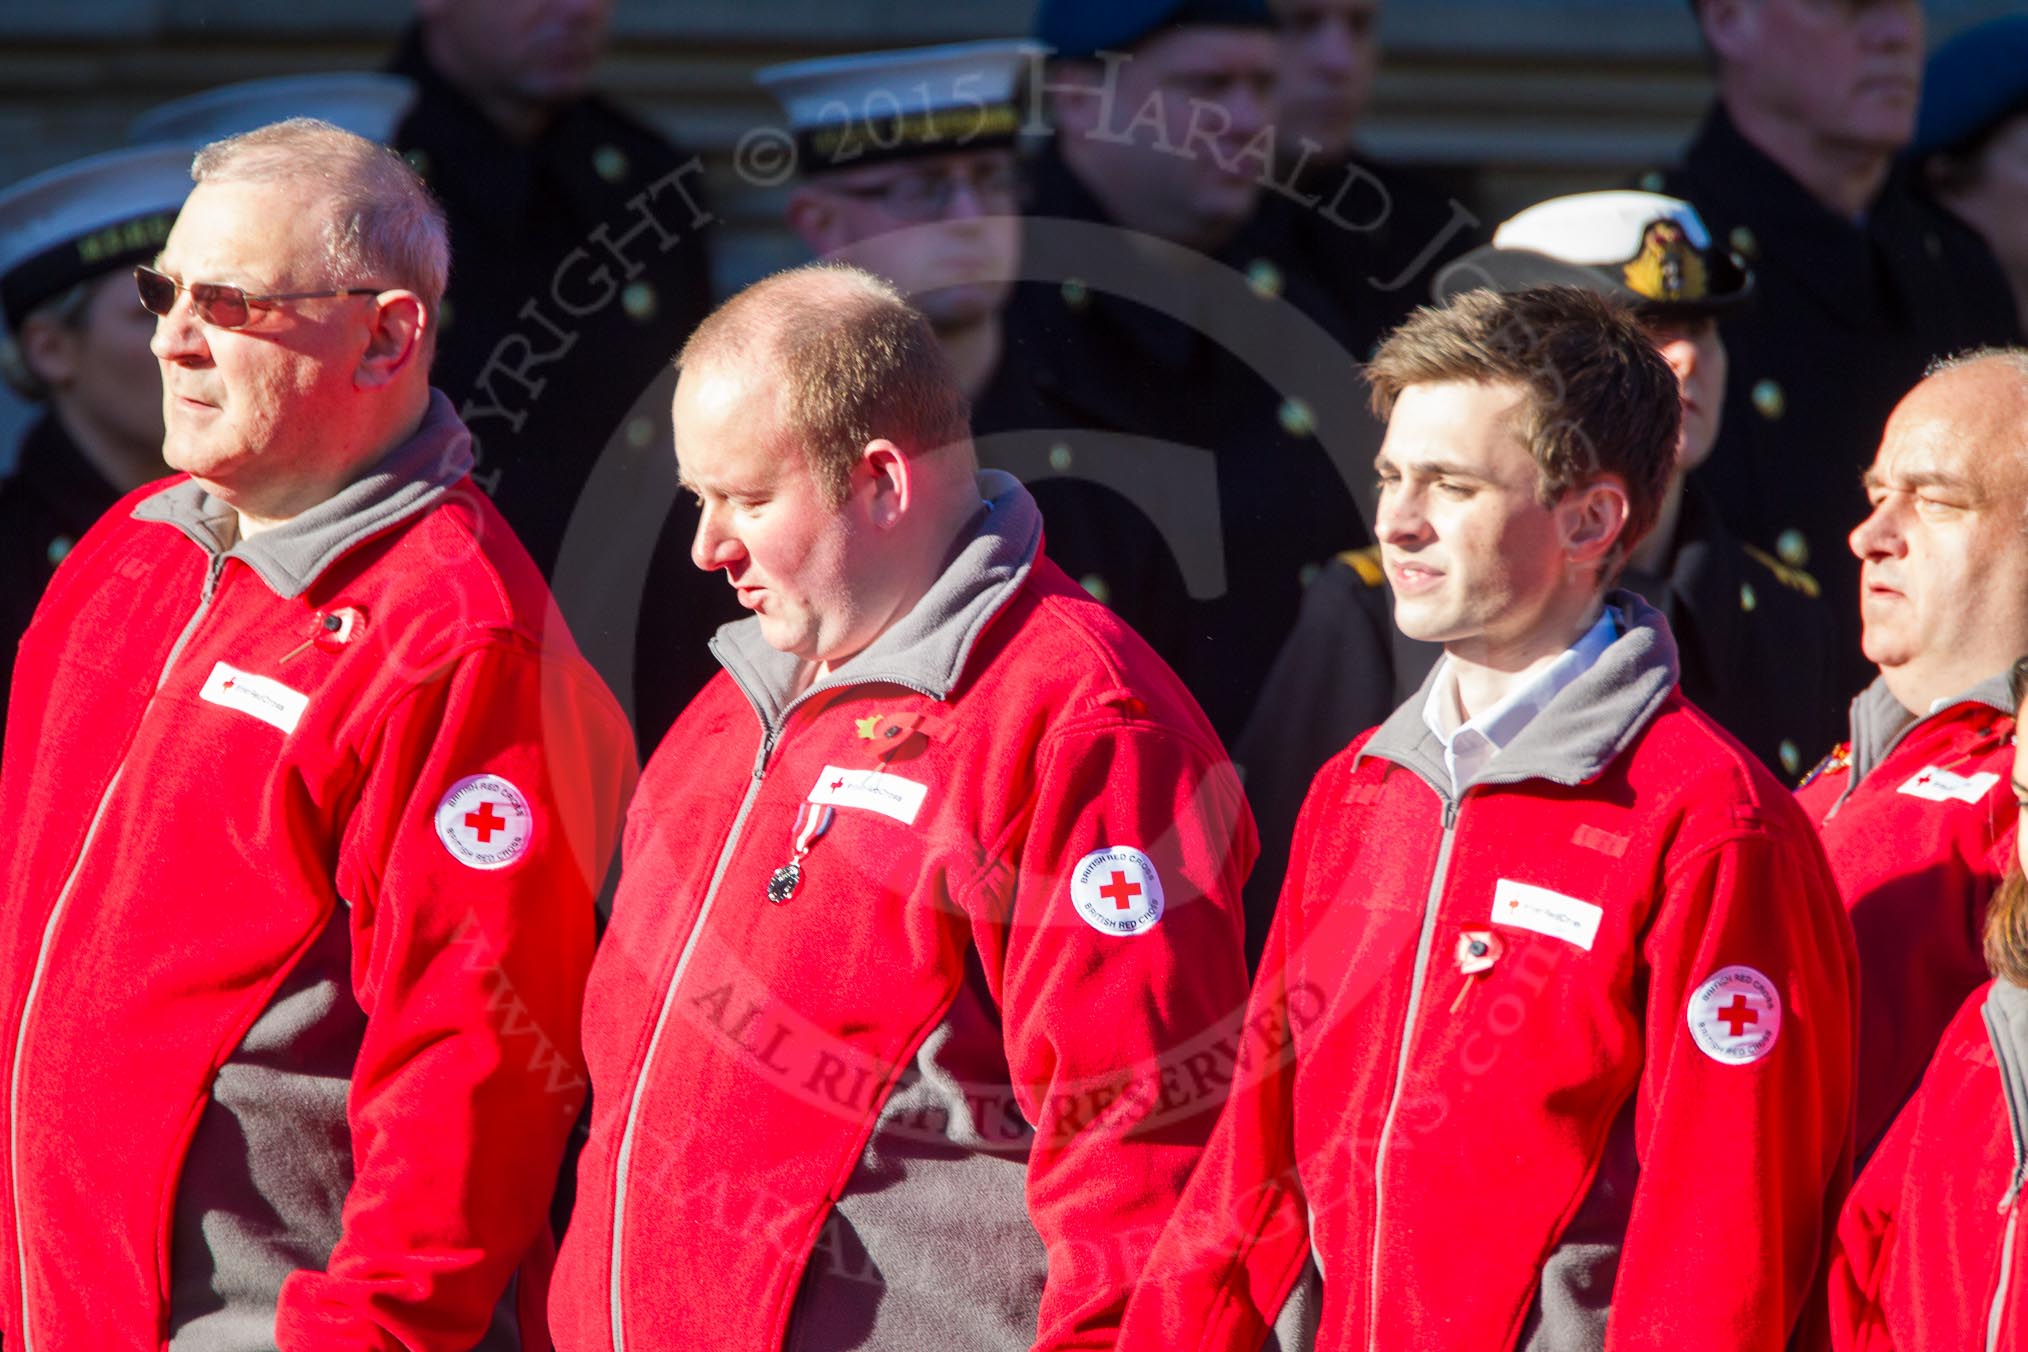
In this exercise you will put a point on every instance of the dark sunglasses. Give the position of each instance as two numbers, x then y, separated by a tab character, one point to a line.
225	307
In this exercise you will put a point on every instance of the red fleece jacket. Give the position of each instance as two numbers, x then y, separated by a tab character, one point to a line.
1616	1106
1917	847
742	1050
1928	1240
200	776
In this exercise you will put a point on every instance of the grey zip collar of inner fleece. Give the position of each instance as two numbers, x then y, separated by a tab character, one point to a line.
1588	724
926	649
292	554
1880	721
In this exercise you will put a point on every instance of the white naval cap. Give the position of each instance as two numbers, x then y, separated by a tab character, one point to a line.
90	216
873	106
1642	247
365	103
1598	227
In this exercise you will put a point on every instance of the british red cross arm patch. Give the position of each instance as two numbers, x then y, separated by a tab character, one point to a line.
488	809
1120	957
1745	1100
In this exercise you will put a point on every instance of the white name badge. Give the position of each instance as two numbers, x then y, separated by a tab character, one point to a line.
270	701
1546	912
1941	786
871	790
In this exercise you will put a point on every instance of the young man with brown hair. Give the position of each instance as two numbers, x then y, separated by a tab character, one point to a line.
1554	1024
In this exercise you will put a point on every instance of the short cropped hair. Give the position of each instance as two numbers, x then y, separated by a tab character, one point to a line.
384	228
1600	398
851	359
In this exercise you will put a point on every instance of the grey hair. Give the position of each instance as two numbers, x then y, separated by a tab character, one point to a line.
2013	358
66	309
384	228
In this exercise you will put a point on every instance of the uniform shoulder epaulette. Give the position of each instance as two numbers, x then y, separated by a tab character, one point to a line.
1366	563
1790	576
1838	761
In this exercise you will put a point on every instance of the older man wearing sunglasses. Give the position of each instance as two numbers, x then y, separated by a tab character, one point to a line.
309	794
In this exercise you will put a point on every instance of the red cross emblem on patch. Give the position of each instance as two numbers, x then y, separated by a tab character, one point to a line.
485	822
1735	1015
1120	892
1116	890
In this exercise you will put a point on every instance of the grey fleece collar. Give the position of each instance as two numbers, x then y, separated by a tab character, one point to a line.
1589	723
2006	1013
1880	721
291	556
926	649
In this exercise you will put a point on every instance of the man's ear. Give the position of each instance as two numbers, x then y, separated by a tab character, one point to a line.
814	218
1591	518
396	339
1072	112
889	477
1731	27
49	349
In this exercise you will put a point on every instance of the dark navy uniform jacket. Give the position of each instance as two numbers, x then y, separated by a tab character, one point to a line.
1373	234
1846	318
1219	409
51	499
579	264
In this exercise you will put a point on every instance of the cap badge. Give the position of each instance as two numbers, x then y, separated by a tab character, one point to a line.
1668	268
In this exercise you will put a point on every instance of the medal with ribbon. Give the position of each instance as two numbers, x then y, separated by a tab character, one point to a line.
812	821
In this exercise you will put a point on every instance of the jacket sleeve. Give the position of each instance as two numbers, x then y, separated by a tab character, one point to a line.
1744	1157
1119	1043
472	934
1239	1237
1865	1246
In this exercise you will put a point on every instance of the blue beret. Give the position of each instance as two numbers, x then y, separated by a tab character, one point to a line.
1084	28
1972	82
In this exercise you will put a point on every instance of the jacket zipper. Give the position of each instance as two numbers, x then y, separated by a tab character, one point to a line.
623	1157
1996	1312
1422	951
56	911
1996	1315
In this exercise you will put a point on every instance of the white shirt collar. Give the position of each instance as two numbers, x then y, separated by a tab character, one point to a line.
1470	746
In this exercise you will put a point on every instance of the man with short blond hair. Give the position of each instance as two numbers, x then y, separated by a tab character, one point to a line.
930	200
1526	924
898	1059
312	794
1914	810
